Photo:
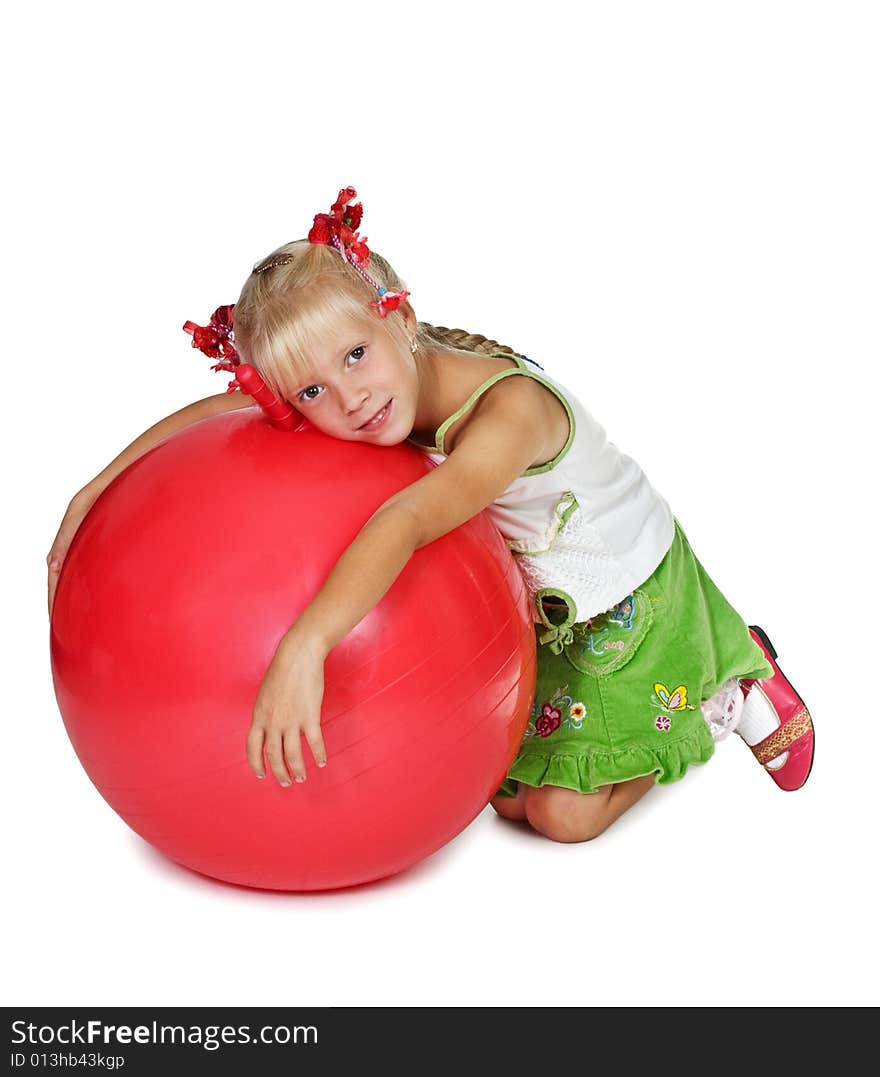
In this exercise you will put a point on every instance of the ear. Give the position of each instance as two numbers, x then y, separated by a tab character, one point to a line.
409	316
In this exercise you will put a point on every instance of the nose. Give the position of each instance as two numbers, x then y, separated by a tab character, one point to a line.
354	400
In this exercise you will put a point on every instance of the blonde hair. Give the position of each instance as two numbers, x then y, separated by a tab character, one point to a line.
285	310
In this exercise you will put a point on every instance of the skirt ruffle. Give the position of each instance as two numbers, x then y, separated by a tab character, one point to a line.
589	772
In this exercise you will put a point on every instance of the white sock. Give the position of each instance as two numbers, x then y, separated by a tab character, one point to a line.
723	711
758	721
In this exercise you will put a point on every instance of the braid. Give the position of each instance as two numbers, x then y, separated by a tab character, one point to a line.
461	340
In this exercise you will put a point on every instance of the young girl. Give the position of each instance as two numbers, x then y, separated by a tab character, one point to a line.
642	663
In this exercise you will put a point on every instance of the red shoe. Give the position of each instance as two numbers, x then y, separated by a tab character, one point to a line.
794	736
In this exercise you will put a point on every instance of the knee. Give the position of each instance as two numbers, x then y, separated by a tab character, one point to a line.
510	807
564	814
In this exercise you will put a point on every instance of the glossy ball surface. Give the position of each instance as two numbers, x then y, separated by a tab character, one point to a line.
172	599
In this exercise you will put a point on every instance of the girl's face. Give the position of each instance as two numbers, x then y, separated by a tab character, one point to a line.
360	386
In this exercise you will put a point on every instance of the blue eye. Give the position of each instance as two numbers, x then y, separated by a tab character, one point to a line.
307	394
360	348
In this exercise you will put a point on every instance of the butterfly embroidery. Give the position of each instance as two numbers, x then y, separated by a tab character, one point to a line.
674	700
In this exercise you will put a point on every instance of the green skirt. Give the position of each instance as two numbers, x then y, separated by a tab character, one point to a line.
622	696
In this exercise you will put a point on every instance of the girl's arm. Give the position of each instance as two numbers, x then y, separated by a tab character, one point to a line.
82	501
498	444
192	413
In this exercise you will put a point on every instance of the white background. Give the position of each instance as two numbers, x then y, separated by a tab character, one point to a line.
673	207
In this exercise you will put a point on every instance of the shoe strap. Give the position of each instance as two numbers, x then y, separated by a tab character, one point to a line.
781	739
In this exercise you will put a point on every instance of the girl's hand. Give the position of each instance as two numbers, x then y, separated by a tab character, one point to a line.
76	512
289	705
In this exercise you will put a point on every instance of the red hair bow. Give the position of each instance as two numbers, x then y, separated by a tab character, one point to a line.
342	221
216	340
338	229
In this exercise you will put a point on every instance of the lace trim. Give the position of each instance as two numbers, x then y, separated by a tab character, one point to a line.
562	511
724	710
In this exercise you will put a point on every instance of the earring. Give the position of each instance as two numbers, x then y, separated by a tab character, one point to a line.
413	347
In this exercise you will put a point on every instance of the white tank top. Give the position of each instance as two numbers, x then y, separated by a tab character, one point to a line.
587	527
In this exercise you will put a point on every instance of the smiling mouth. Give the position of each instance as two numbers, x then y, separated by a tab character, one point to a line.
377	419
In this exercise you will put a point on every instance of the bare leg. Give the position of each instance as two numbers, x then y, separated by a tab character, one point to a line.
512	807
568	816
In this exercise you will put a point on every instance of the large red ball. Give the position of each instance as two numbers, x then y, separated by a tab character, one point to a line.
175	592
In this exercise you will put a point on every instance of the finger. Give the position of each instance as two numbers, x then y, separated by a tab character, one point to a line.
254	750
316	743
59	547
275	756
54	571
293	754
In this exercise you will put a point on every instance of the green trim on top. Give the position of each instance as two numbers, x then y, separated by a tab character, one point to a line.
563	509
469	403
520	368
564	450
559	634
419	445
